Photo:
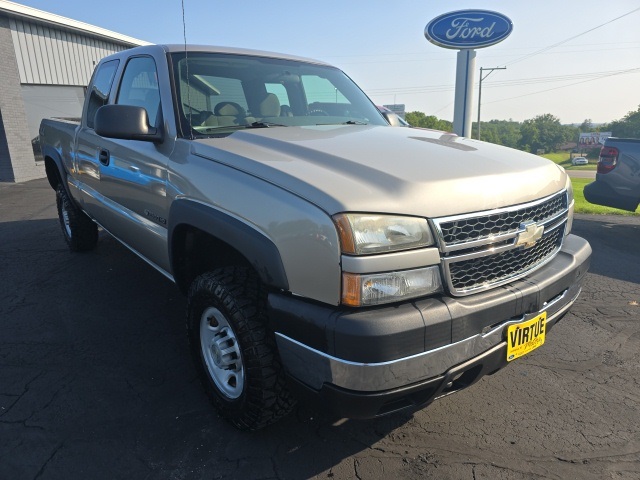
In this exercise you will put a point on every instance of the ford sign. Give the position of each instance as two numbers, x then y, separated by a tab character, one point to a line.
467	29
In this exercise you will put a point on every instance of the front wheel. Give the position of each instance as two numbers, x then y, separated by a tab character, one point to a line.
79	231
234	351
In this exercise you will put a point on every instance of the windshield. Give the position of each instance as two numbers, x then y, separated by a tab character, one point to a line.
220	93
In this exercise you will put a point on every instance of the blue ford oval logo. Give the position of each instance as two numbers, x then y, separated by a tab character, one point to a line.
468	29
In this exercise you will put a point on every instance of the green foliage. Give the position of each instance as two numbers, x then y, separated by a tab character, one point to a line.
500	132
557	157
586	126
626	127
544	132
419	119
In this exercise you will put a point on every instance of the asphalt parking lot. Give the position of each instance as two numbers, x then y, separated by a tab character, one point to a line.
96	381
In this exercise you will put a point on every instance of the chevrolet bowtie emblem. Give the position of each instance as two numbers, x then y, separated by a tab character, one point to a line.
529	234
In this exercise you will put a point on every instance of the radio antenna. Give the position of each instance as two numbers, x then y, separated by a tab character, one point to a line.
186	61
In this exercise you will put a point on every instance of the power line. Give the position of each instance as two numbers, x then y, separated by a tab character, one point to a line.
526	57
496	55
446	106
631	70
442	88
500	83
497	49
559	78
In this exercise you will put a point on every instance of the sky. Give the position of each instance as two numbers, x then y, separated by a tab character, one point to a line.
591	71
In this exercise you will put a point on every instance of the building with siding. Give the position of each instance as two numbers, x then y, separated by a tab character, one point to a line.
47	61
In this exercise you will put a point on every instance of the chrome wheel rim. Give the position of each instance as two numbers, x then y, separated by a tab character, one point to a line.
221	353
65	220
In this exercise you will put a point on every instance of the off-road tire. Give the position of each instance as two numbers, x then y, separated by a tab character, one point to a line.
260	397
80	232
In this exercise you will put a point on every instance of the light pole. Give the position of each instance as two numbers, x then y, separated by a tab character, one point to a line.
490	70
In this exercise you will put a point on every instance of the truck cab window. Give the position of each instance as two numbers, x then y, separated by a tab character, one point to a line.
100	88
325	98
139	87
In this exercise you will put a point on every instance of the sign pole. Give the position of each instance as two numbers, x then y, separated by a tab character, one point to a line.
465	71
465	31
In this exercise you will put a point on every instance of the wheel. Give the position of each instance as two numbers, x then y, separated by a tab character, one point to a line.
234	351
80	232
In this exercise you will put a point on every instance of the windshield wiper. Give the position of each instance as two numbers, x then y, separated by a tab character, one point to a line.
226	128
348	122
265	125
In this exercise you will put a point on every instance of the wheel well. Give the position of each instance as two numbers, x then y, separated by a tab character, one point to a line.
195	252
53	174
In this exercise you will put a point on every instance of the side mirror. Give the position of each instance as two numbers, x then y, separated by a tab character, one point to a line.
126	122
392	118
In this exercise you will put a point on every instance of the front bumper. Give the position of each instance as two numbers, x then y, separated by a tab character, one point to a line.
354	361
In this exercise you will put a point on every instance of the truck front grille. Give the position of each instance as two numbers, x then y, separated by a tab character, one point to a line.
486	249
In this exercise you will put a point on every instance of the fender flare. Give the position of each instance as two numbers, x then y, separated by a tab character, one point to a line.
50	152
257	248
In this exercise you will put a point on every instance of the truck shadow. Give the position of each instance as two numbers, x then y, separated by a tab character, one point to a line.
94	349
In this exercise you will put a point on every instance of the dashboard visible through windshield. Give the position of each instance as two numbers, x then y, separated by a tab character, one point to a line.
220	93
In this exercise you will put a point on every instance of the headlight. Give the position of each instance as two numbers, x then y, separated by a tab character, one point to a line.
362	234
377	288
570	205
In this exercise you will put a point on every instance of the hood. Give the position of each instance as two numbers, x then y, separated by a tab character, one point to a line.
378	169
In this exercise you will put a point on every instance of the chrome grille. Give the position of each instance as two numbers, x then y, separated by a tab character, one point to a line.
464	229
486	249
479	271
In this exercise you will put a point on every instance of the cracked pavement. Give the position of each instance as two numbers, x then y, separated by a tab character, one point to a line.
96	380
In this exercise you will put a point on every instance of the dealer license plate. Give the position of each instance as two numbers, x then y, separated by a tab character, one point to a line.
524	337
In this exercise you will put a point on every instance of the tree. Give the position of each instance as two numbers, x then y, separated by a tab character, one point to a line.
544	132
501	132
586	126
419	119
626	127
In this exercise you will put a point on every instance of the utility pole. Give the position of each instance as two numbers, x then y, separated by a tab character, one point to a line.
490	70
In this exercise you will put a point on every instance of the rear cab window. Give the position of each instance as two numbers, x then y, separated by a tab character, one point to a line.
100	88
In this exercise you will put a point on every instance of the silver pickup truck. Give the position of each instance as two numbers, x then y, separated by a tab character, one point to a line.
617	182
324	253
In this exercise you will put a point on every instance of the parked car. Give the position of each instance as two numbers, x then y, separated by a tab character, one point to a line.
323	253
580	161
617	182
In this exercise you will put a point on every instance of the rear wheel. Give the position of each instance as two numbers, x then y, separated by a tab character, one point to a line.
234	351
80	232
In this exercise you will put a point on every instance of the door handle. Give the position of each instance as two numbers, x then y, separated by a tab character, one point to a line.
104	157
